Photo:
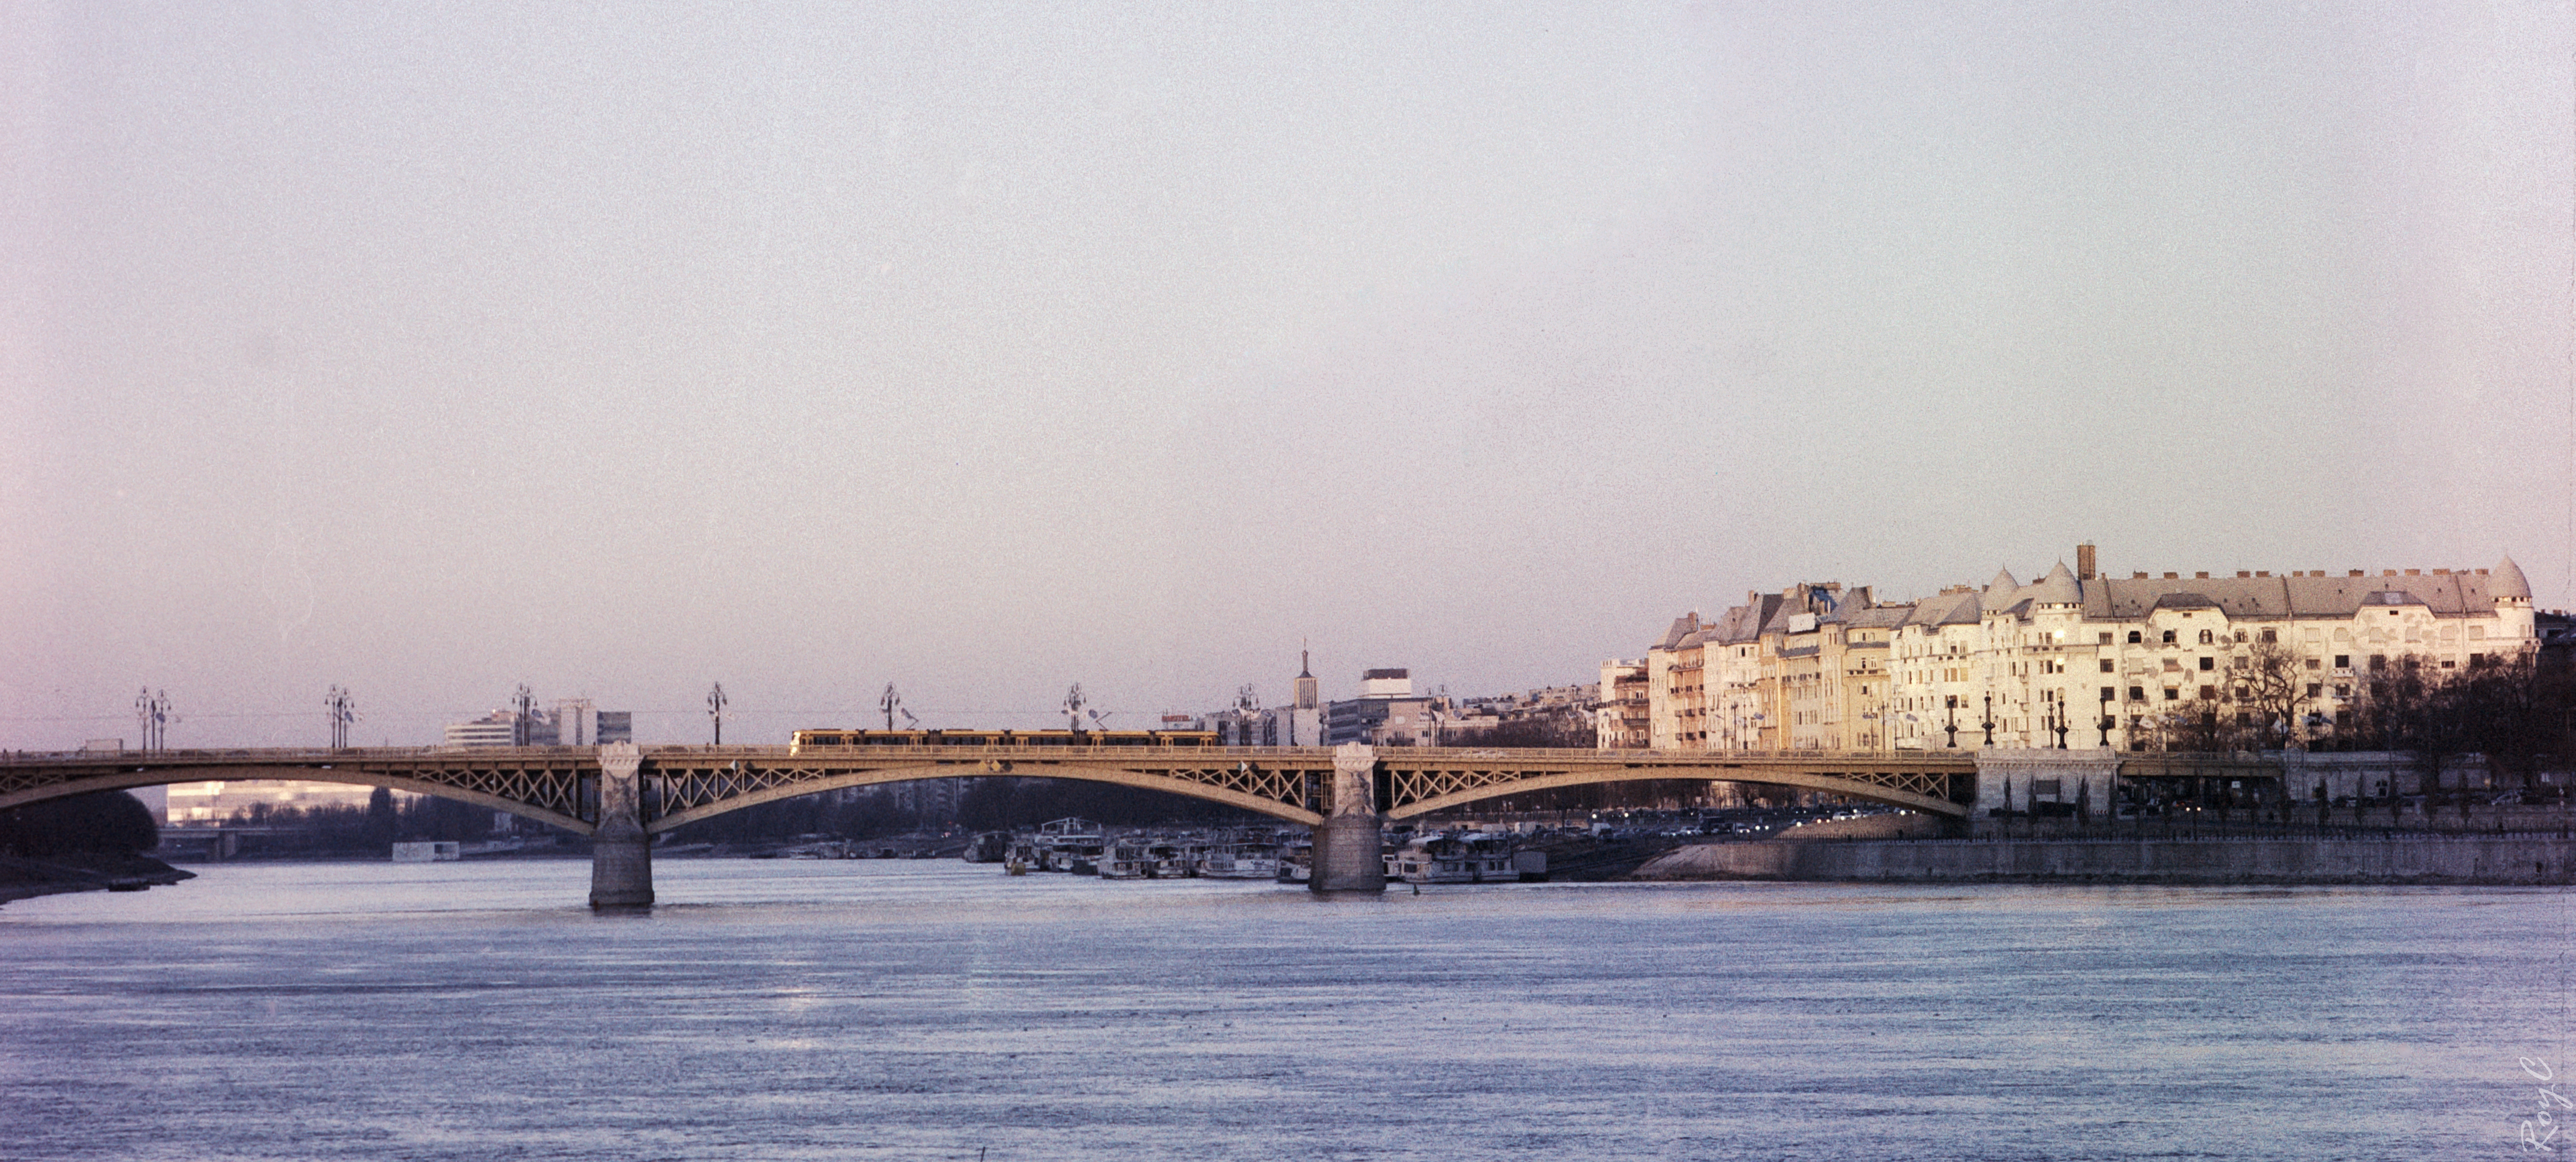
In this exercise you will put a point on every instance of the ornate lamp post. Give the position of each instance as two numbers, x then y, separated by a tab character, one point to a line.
1953	728
1989	723
2106	719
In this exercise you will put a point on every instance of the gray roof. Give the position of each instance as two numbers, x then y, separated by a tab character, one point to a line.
2058	588
1952	608
1881	616
2508	581
1743	623
2260	598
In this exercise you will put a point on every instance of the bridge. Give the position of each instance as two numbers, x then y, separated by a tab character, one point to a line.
622	795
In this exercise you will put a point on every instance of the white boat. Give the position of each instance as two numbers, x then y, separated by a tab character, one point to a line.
1240	861
1454	859
1068	845
1127	859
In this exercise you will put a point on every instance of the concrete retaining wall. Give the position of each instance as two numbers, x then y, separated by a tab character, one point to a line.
1903	825
2490	859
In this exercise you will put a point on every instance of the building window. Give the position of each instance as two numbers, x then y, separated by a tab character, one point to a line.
2172	694
2169	637
2271	636
2209	693
2103	638
2315	689
2106	665
2312	663
2378	662
2343	661
2208	663
2206	637
2137	693
2135	637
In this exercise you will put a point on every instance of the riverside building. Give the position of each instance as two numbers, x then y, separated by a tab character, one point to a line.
2073	659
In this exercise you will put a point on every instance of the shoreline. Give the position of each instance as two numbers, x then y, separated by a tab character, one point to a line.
2429	860
90	871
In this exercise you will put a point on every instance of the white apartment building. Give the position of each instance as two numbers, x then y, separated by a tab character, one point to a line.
1816	667
2074	648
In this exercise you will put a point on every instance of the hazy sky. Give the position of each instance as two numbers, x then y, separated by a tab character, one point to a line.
620	349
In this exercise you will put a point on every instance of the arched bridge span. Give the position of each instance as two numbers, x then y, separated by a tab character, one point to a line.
681	785
1419	781
621	795
677	786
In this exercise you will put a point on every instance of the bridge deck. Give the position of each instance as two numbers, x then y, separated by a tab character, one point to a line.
558	785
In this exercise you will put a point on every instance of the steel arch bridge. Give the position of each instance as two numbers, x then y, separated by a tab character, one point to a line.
680	785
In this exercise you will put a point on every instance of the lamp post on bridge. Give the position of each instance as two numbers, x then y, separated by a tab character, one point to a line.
152	713
1989	723
1953	728
715	710
523	703
344	711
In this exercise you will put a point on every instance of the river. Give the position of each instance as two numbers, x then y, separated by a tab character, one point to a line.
941	1010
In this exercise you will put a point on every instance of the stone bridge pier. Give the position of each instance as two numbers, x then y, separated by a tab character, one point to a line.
621	854
1350	843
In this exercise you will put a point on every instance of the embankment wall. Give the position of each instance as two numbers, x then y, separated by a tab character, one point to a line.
2446	859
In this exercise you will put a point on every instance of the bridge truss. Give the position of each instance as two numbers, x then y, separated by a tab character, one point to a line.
1421	781
680	785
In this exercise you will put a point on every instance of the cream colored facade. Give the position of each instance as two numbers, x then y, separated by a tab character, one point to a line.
210	803
1815	667
2067	649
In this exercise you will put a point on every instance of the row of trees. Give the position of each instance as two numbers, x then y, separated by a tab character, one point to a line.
2514	709
108	822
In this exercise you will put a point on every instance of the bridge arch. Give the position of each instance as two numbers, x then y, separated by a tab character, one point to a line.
693	794
1916	792
546	792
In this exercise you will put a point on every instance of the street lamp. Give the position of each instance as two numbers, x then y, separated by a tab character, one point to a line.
715	710
1989	723
2106	718
1953	728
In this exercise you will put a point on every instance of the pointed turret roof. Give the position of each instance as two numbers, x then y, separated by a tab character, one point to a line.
2058	588
2509	581
1999	592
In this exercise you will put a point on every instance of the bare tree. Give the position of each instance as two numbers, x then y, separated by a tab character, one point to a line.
2268	684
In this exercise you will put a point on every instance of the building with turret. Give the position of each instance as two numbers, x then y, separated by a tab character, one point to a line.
2074	658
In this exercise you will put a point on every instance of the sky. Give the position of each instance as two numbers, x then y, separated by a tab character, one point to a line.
623	350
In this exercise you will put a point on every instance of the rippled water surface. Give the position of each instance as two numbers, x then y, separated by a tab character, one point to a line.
878	1009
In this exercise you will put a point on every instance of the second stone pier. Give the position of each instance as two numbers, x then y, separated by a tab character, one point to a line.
621	854
1350	842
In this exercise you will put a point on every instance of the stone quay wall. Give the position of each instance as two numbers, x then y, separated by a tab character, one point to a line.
2412	859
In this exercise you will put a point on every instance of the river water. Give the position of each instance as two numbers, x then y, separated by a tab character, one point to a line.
902	1010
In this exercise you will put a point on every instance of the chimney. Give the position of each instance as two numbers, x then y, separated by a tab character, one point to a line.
2084	561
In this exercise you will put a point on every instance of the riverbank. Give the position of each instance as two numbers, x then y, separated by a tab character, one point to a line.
83	872
2526	859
